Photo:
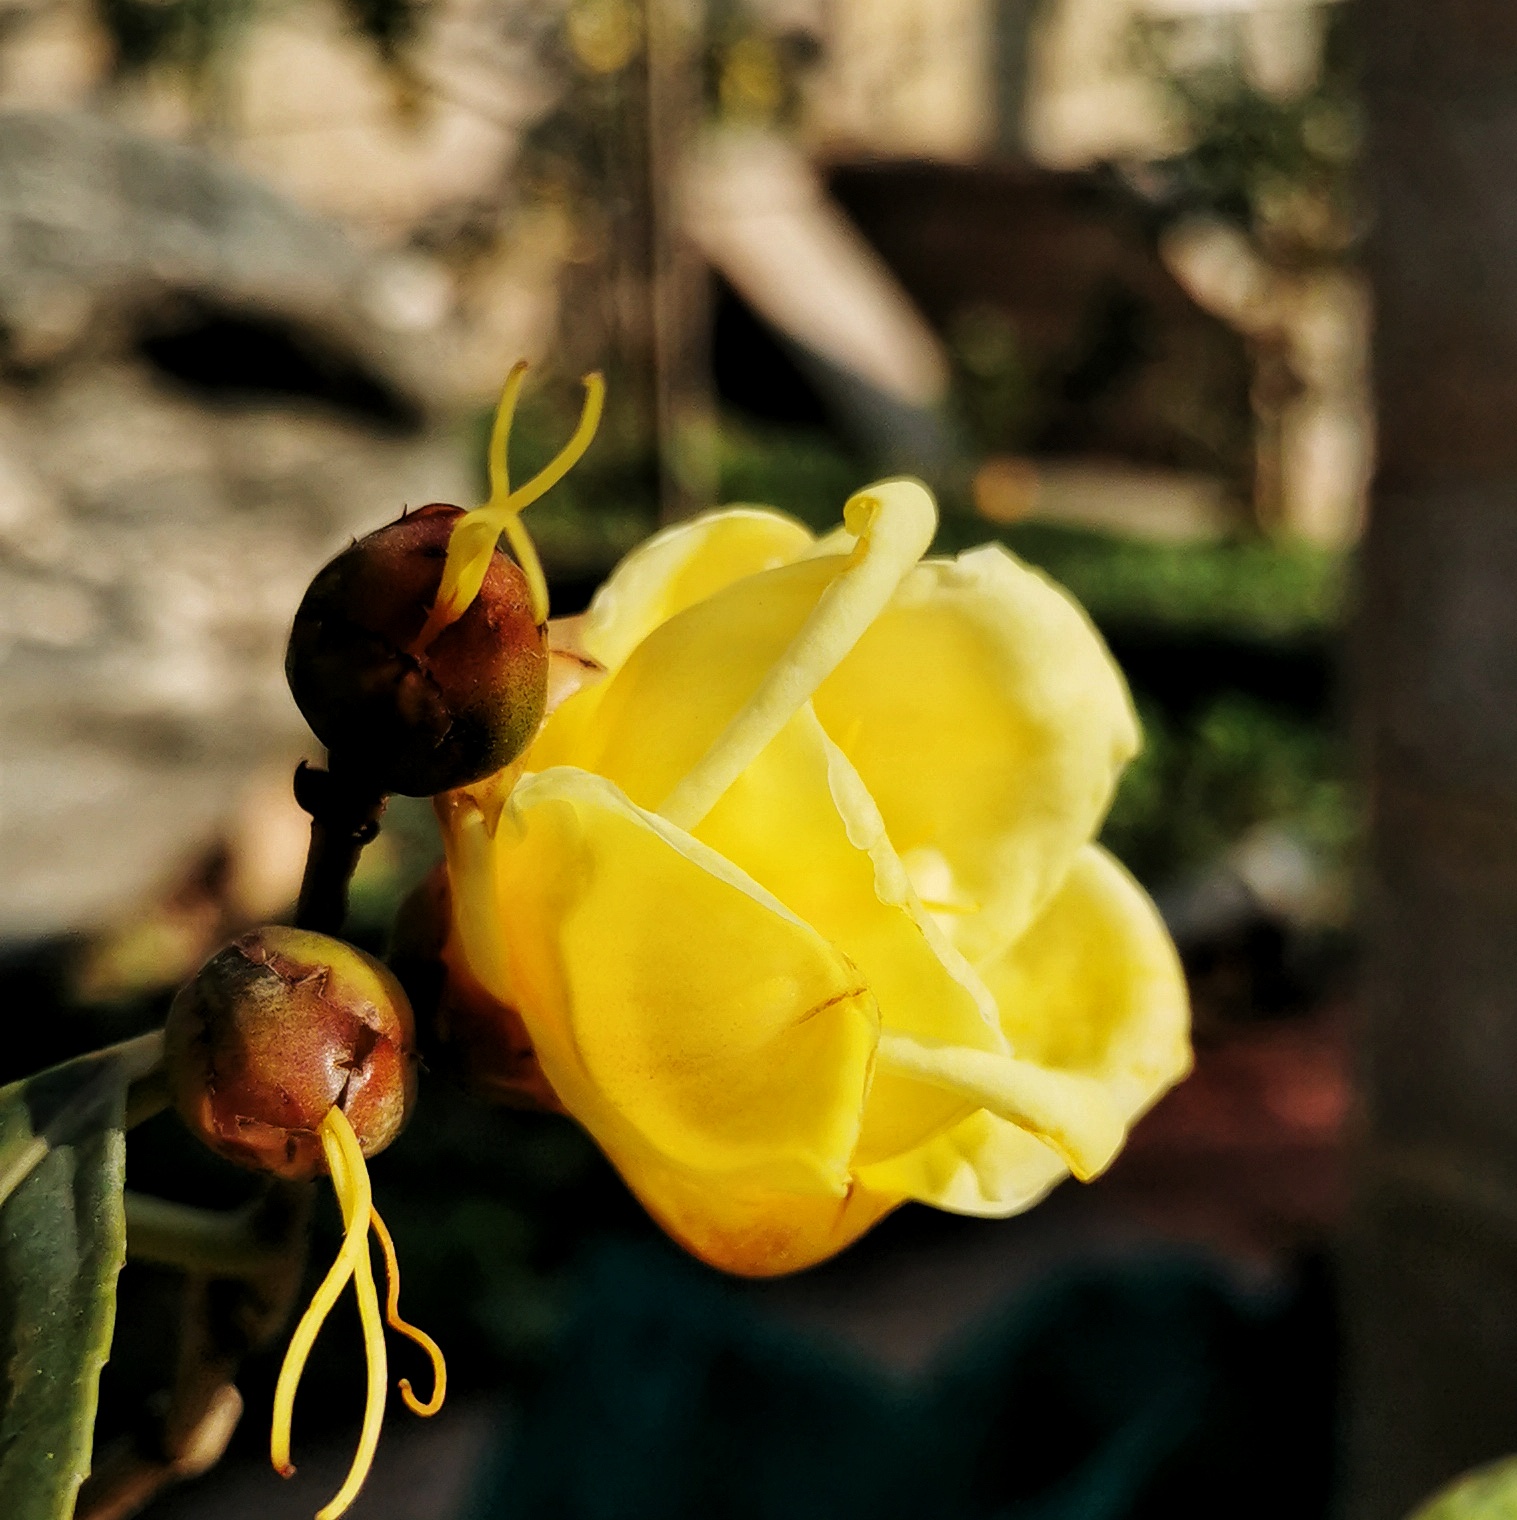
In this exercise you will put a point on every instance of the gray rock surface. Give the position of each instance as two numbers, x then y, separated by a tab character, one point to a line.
156	535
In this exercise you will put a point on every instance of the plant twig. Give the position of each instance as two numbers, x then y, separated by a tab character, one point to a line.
221	1243
345	812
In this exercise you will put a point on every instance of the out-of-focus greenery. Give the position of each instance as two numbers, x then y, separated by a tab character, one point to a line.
798	470
997	395
1282	167
1201	783
1249	587
408	846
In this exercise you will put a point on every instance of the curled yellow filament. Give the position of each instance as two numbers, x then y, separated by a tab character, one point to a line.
474	539
350	1181
395	1322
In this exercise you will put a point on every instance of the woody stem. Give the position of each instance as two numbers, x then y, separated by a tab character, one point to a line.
345	812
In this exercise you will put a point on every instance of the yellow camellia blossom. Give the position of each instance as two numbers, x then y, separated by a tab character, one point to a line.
799	904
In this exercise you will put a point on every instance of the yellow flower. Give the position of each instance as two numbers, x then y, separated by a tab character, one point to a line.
799	906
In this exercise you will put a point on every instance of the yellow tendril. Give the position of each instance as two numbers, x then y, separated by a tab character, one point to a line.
422	1339
354	1245
474	539
350	1181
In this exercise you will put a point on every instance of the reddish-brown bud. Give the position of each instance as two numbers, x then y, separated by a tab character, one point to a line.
417	720
277	1029
469	1036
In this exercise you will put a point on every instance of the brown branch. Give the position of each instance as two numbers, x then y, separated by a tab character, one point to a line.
345	814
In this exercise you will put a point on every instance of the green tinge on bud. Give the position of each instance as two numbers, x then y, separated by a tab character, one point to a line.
413	717
276	1030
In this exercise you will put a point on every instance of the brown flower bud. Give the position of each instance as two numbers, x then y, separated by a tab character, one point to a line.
274	1031
417	720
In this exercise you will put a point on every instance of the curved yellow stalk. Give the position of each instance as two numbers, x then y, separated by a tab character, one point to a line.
474	539
350	1181
354	1245
422	1339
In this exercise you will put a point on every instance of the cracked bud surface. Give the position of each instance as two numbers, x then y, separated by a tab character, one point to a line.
276	1030
417	709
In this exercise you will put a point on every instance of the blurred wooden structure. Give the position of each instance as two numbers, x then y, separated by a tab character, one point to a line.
1432	1264
1118	358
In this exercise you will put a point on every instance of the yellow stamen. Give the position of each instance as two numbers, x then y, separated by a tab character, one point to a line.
353	1194
354	1245
350	1181
422	1339
474	539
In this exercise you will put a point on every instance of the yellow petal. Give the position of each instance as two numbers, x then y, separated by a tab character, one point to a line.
756	1231
683	565
658	712
1069	1111
1093	994
983	1165
1096	987
800	823
795	816
989	722
690	1022
702	694
674	570
894	521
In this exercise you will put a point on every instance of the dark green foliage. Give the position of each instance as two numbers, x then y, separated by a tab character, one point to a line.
1247	587
1203	782
1129	1390
1249	149
62	1243
797	470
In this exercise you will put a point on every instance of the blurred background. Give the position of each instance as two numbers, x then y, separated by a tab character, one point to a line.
1096	270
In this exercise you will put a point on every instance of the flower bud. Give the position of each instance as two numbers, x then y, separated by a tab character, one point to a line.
417	719
274	1031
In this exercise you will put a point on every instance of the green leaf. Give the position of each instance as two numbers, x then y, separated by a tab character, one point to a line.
1488	1493
62	1243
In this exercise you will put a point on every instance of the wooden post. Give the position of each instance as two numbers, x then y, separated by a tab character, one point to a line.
1431	1258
